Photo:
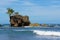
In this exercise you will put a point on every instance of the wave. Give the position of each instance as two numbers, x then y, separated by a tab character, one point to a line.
49	33
22	30
40	32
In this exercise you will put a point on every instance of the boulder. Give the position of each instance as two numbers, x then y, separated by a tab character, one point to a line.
34	25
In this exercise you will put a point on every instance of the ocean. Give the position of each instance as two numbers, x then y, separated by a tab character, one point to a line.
41	33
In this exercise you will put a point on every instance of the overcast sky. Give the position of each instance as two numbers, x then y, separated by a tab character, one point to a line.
39	11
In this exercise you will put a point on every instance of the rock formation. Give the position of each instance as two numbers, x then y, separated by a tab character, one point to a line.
19	20
34	25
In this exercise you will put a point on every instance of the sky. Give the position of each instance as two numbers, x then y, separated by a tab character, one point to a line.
39	11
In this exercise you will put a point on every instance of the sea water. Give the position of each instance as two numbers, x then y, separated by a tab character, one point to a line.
28	33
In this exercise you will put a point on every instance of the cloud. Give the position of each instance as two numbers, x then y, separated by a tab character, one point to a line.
6	2
55	1
55	6
25	3
47	3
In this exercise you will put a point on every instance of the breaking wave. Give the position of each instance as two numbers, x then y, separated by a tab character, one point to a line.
49	33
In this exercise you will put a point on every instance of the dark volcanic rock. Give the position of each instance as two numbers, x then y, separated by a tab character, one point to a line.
26	21
19	21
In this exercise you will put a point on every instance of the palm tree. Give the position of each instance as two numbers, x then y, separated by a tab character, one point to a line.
10	11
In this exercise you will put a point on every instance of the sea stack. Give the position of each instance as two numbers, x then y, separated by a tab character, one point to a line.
19	20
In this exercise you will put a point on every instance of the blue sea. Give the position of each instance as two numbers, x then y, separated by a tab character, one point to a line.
37	33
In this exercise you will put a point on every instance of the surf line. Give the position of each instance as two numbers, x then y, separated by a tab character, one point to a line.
50	33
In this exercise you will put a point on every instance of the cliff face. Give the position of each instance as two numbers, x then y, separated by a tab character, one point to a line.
19	21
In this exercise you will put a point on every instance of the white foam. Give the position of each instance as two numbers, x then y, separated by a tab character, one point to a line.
22	30
52	33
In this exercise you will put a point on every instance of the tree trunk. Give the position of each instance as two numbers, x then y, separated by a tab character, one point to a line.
9	19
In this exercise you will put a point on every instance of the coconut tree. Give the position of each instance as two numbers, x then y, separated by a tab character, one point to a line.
10	11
